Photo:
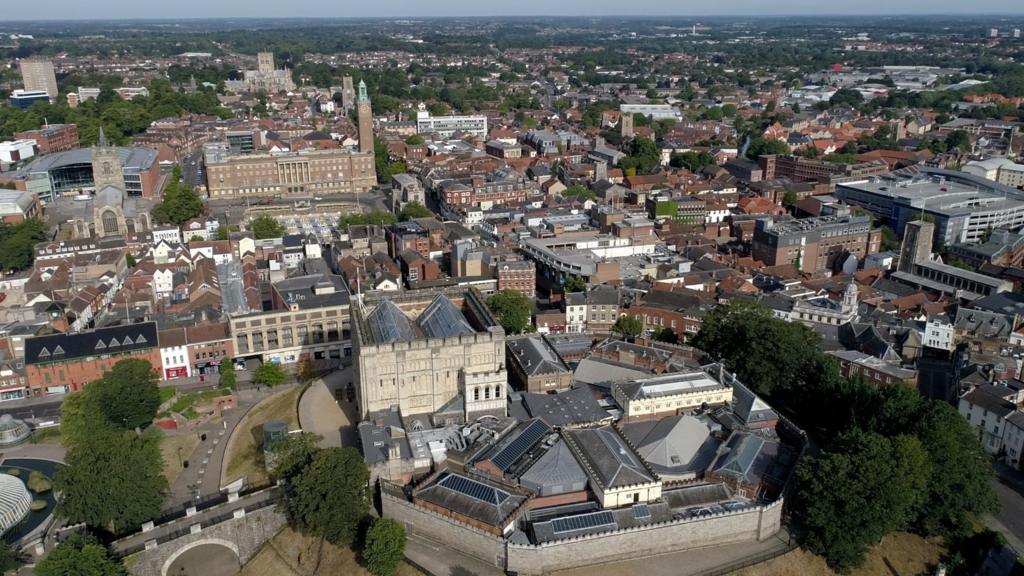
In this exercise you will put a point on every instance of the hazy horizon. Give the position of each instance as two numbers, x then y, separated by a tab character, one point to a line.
64	10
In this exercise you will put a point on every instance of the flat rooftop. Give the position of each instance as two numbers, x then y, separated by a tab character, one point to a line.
944	191
672	384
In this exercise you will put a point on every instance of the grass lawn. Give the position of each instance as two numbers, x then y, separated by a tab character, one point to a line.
244	455
185	404
49	435
170	442
292	554
908	554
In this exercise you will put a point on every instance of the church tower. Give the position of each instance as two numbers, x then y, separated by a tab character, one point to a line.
365	120
106	165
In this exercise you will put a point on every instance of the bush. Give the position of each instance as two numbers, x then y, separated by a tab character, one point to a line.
12	472
38	505
39	483
385	547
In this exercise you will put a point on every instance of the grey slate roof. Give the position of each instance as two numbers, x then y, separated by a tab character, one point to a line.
607	459
749	408
569	408
556	472
535	356
483	500
675	445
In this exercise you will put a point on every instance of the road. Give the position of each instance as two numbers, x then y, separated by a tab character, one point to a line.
1009	487
192	169
232	287
34	409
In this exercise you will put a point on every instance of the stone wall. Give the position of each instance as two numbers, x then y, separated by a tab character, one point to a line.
730	527
747	525
244	536
429	524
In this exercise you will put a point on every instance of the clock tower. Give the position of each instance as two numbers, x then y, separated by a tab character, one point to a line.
106	165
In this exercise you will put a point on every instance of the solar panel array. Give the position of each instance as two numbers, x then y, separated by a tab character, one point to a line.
508	455
641	512
441	319
589	521
474	489
389	324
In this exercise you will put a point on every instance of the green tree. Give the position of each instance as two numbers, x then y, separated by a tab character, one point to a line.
854	495
958	139
329	496
581	192
179	204
128	395
10	558
960	487
385	547
112	480
574	283
762	350
628	326
846	96
513	310
17	243
414	210
294	453
222	233
692	161
270	374
889	239
643	156
414	140
80	555
228	378
81	415
266	227
666	335
789	199
761	147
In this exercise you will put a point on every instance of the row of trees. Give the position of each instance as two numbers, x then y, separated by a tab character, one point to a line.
327	496
890	459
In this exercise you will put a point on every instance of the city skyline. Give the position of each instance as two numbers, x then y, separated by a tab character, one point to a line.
122	9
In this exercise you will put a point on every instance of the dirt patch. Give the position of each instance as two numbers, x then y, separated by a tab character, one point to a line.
174	448
899	554
292	554
244	454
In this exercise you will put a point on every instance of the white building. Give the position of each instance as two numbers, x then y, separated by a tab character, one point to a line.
939	333
989	409
169	234
445	126
576	312
17	150
174	356
1001	170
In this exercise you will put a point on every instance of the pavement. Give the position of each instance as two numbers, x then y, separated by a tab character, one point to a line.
320	411
195	483
1009	487
440	560
54	452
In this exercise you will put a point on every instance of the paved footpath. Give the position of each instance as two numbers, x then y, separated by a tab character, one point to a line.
202	478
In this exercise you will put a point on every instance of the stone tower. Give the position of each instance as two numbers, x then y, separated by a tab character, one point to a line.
850	298
265	63
106	165
348	95
917	244
626	126
365	114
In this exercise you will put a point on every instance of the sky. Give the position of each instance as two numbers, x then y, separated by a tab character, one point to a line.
109	9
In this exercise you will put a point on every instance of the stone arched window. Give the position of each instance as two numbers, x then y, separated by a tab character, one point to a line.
497	391
476	393
487	392
109	223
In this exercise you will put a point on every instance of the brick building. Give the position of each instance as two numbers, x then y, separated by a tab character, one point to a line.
208	345
814	245
52	138
61	363
518	275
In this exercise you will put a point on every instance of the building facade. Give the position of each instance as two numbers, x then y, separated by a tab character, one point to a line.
364	110
38	74
814	245
446	126
304	173
53	138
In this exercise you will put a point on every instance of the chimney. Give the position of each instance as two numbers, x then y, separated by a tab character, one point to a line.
721	373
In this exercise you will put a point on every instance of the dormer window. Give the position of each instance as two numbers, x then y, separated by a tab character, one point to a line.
100	345
44	353
58	351
114	343
141	339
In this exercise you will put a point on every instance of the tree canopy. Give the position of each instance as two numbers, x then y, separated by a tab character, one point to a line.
270	374
328	496
628	326
574	283
17	243
128	395
179	204
385	547
266	227
761	147
642	156
228	378
80	555
414	210
577	191
513	309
